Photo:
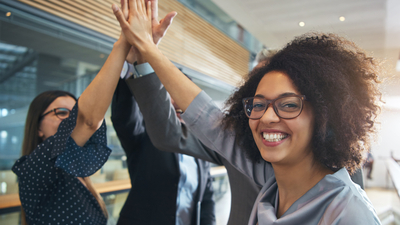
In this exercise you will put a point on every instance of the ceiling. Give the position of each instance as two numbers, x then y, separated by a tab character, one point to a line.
373	24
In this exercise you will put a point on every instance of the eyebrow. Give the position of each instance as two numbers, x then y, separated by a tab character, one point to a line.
281	95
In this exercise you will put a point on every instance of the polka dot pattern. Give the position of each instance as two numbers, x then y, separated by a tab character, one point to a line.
49	190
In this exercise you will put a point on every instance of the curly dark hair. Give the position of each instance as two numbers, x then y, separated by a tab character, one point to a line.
340	82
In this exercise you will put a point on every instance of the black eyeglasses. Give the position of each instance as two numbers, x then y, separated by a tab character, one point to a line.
285	107
61	113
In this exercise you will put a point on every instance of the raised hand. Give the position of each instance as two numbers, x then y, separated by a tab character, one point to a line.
138	28
159	27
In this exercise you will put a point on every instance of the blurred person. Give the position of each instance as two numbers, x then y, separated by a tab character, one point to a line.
287	126
263	57
368	164
64	143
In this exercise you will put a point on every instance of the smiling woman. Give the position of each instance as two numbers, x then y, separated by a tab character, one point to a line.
325	142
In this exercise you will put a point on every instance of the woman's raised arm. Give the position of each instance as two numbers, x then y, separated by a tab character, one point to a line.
95	100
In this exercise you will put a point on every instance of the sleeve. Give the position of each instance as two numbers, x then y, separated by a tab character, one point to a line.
203	118
350	209
165	130
127	118
207	214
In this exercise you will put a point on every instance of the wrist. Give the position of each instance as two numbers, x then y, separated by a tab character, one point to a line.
121	44
140	59
152	53
146	49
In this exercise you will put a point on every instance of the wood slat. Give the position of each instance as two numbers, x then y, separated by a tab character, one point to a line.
67	17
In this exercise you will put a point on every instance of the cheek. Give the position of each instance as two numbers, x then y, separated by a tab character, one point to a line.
306	126
253	125
49	127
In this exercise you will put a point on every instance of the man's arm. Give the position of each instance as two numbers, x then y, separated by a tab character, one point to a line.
207	214
165	130
126	117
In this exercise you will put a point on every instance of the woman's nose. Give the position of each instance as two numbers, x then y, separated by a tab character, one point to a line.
270	115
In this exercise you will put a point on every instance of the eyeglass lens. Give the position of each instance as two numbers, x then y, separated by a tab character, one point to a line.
61	113
285	107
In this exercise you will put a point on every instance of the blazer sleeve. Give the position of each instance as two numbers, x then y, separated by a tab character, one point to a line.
165	130
127	118
207	213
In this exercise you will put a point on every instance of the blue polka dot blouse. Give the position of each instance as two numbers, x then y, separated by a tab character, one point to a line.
49	190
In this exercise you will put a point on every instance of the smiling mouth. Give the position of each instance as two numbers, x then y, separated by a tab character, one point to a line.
274	137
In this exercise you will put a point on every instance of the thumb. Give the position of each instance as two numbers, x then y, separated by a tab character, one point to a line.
118	14
167	20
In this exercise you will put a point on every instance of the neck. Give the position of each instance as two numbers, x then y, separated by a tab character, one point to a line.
295	180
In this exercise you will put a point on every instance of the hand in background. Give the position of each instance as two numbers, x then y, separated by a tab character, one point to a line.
159	27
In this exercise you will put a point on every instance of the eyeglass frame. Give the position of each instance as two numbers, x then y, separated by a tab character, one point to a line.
269	102
54	110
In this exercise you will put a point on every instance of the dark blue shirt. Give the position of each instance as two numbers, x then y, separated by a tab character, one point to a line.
49	190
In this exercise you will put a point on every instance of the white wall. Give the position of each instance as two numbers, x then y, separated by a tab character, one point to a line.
388	139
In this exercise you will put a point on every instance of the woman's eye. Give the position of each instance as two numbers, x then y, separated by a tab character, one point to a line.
62	113
289	106
258	106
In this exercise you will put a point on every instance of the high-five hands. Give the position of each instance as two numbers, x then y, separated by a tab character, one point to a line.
137	29
159	28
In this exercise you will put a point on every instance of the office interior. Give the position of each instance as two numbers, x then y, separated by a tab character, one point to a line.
47	45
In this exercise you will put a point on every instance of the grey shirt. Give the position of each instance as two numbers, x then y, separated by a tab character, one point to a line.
333	200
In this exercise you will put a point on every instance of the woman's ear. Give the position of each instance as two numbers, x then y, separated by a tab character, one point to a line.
40	133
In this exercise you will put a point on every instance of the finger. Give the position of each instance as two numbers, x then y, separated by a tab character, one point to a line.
148	9
124	8
154	11
166	21
119	15
139	6
132	7
143	6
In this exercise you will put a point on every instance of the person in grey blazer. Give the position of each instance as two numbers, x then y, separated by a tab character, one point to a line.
167	133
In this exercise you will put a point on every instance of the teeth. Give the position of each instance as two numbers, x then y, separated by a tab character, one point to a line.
274	137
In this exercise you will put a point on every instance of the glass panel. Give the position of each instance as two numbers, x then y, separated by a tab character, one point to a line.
217	17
